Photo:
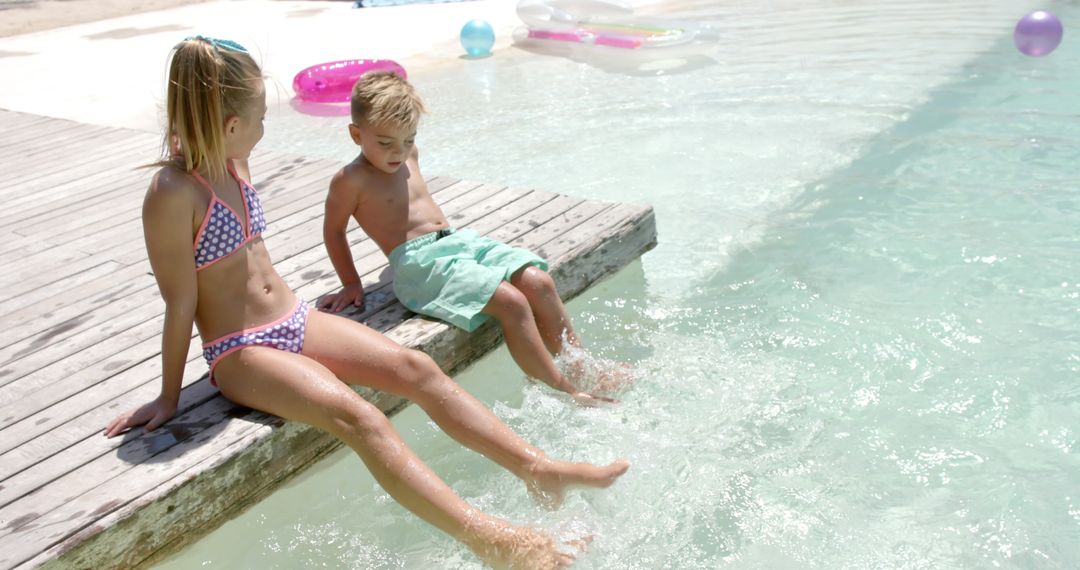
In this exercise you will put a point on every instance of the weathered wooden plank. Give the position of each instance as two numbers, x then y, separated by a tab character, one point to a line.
40	158
116	198
75	375
593	250
12	142
11	121
14	242
115	159
42	269
121	202
90	149
38	302
71	421
71	146
39	533
43	345
203	497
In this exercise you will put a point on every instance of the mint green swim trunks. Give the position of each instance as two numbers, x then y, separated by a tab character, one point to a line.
451	275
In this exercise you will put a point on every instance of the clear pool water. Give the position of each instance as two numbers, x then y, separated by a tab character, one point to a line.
858	339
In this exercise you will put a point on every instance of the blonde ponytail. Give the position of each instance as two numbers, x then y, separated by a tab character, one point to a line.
209	80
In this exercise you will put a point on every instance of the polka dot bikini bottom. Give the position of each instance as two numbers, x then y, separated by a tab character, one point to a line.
286	333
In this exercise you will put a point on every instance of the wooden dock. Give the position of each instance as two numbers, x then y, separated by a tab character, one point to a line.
81	320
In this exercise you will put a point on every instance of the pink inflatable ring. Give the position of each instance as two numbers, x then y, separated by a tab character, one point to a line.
333	82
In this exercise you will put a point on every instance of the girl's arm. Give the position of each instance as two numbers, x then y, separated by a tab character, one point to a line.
168	220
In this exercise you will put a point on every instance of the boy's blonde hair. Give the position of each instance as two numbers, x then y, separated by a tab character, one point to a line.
209	80
385	98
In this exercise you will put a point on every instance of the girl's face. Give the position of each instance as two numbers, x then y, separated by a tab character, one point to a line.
385	147
245	130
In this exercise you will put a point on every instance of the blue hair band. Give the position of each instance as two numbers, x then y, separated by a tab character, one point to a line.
219	44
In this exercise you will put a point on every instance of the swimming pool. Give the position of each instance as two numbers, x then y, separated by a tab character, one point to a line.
859	337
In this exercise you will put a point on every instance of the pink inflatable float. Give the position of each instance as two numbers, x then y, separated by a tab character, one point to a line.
333	82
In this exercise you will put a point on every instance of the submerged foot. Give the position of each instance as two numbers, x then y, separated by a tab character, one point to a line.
600	378
504	546
550	480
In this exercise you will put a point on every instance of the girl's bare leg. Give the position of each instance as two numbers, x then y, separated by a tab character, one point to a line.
360	355
297	388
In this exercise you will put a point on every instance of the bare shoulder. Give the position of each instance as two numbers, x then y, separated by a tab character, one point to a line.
171	191
354	180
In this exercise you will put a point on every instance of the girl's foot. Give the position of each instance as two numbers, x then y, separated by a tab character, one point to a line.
548	480
504	546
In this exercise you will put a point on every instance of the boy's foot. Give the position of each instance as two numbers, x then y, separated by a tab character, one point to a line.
503	546
549	479
590	400
600	377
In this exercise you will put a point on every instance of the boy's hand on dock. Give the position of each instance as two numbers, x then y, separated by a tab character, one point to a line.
152	414
336	302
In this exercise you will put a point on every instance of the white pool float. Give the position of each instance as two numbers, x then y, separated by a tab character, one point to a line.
609	26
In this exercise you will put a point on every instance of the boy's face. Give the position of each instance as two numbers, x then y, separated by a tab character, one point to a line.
386	147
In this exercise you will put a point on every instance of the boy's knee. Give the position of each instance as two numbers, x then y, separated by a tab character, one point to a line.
535	279
508	301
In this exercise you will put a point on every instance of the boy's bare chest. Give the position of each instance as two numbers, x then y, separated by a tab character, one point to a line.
392	203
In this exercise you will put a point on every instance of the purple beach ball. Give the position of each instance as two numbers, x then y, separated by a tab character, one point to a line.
1038	33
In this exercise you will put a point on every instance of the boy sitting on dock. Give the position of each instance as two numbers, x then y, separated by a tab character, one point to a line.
455	275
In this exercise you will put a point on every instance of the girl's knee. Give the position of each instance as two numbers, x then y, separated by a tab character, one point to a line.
417	371
359	418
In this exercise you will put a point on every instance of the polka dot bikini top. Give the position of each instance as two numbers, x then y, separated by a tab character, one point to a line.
222	231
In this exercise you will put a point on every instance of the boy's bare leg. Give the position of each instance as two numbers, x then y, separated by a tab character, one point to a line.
298	388
360	355
552	319
527	346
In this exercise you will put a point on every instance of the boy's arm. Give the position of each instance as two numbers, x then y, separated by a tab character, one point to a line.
341	202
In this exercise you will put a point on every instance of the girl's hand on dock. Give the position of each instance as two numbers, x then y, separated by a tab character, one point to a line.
152	414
